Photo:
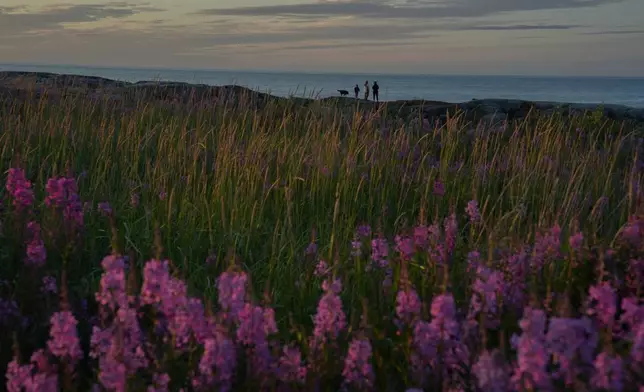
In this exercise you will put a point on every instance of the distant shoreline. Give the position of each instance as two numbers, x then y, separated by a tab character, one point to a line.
494	109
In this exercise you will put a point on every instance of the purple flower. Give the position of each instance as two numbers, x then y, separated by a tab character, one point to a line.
64	342
36	252
602	304
18	376
572	342
546	248
322	269
105	208
439	188
358	371
62	193
472	210
112	285
405	246
312	249
379	251
363	231
255	324
112	374
330	319
290	368
439	342
49	285
609	372
576	241
231	290
488	286
155	281
408	306
20	189
421	237
161	383
492	373
532	356
217	365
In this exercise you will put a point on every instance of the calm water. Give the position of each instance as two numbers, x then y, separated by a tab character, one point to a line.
624	91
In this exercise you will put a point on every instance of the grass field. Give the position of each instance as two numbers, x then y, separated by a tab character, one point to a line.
438	243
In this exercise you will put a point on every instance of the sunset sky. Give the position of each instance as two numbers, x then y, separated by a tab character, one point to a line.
526	37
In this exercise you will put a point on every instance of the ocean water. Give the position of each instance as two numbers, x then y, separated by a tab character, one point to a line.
606	90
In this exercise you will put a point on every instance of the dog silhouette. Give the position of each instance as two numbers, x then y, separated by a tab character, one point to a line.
343	92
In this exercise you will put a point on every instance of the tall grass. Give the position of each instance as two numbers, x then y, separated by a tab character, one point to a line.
220	179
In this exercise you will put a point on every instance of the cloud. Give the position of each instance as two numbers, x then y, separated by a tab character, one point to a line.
407	9
520	27
19	20
614	32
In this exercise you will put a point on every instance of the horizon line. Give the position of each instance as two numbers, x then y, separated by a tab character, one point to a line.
319	73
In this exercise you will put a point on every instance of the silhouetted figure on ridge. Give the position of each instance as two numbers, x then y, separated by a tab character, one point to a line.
375	90
366	90
356	90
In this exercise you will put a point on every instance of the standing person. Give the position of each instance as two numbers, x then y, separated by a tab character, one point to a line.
356	90
375	89
366	90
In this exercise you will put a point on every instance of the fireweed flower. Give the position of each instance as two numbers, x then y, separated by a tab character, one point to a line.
20	189
491	372
576	241
36	252
488	286
161	383
631	318
379	251
408	306
546	248
112	292
363	231
64	342
532	357
516	269
322	269
421	237
290	368
602	304
330	319
19	377
438	343
405	246
217	364
358	371
155	281
572	343
609	372
312	248
231	290
472	210
635	275
62	193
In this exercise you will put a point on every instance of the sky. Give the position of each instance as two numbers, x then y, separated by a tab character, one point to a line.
492	37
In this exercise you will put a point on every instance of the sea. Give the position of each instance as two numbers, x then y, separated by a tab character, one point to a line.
628	91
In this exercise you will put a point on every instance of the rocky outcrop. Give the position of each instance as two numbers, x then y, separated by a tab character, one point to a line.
25	85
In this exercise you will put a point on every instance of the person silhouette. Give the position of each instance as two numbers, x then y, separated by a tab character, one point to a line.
375	90
356	90
366	90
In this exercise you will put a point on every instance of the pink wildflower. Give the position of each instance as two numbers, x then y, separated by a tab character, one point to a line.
358	371
64	342
290	368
